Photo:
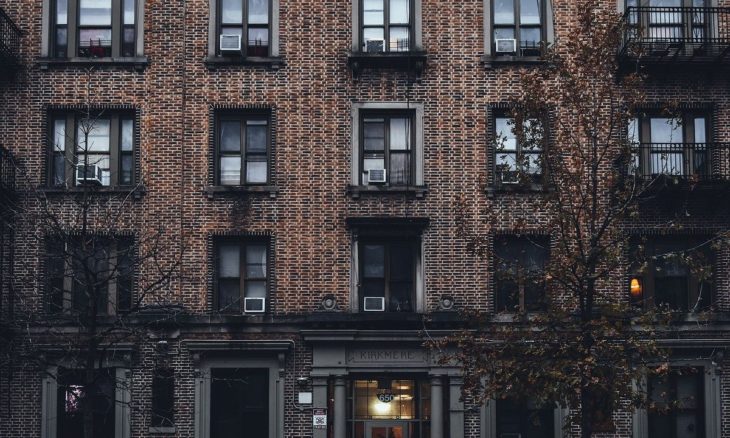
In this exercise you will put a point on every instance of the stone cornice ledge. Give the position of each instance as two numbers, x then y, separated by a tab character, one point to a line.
212	345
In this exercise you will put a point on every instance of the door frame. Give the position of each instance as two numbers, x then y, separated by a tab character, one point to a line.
369	424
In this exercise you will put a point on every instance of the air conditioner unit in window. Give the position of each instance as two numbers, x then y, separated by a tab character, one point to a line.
506	45
374	46
230	43
508	177
374	304
90	174
376	176
254	305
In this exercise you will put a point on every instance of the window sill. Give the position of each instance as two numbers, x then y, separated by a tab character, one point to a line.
216	191
138	62
516	188
135	192
491	61
162	430
417	191
273	62
414	61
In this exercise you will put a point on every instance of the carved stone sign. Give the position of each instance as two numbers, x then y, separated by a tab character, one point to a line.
386	356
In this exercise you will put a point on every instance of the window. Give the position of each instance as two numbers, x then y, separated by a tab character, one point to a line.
666	21
672	271
518	27
248	21
242	276
387	276
76	394
243	149
239	401
386	25
94	271
389	407
524	420
518	158
676	404
163	398
670	146
97	150
94	28
519	277
387	148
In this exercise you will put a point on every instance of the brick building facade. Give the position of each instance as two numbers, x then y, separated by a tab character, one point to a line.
249	131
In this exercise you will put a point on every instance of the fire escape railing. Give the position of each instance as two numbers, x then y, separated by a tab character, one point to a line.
692	161
9	39
677	32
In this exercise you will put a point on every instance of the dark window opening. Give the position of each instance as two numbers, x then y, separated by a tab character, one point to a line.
386	149
520	273
85	273
673	272
387	276
77	394
524	420
676	404
242	276
239	402
163	398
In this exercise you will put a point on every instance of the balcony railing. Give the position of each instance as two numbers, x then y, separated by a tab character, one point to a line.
9	41
691	161
677	34
7	172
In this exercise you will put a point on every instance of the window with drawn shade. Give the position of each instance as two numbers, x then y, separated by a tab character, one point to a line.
99	29
248	20
243	149
521	21
96	150
241	273
387	145
386	25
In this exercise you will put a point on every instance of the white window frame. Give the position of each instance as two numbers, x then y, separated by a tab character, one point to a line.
122	410
712	402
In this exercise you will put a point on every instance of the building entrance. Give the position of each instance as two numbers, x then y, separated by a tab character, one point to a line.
379	429
387	407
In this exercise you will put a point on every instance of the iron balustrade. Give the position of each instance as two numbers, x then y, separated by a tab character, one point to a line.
677	32
7	171
9	39
696	161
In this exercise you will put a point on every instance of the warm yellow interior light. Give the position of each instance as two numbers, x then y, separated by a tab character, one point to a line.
636	290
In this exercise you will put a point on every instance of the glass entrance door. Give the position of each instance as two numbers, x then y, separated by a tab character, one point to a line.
379	429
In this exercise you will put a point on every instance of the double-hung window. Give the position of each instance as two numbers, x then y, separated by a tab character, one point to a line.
676	404
524	420
94	271
242	276
92	150
387	275
387	148
518	158
77	395
163	398
519	277
674	146
387	25
674	272
243	149
94	28
246	22
518	27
